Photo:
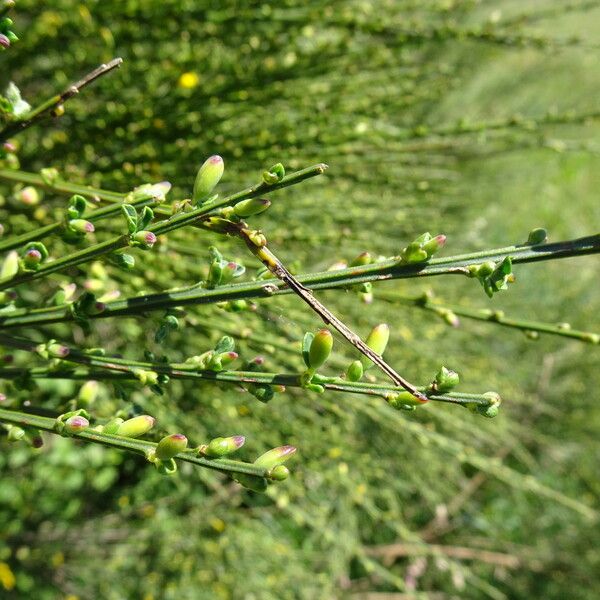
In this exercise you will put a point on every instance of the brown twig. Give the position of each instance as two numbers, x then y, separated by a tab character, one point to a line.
276	267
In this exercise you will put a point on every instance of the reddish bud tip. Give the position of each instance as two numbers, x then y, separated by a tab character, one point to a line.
440	239
4	41
76	423
215	160
239	440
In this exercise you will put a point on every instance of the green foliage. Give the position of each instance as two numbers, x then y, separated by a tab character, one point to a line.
416	107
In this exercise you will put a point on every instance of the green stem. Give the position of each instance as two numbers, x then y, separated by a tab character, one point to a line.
494	316
381	271
174	222
103	367
130	444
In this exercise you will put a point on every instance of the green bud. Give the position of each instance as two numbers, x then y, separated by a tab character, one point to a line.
274	175
490	410
537	236
112	426
223	446
362	259
445	380
401	400
87	393
170	446
251	207
355	371
208	177
279	473
320	348
377	340
136	427
274	457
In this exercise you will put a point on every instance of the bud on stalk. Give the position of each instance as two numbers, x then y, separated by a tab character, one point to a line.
377	340
223	446
136	427
208	177
170	446
145	239
320	348
251	207
274	457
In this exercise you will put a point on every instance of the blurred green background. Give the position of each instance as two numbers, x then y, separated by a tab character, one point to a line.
474	119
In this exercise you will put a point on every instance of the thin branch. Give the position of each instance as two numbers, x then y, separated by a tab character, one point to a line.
130	444
343	278
498	317
177	221
113	368
49	106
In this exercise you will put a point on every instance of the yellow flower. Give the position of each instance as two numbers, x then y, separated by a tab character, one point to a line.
189	80
7	577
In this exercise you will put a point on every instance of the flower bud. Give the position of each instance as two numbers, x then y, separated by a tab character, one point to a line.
251	207
32	258
231	270
208	177
274	457
377	340
223	446
355	371
320	348
434	244
171	445
28	196
56	350
145	239
4	41
81	226
76	424
136	427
